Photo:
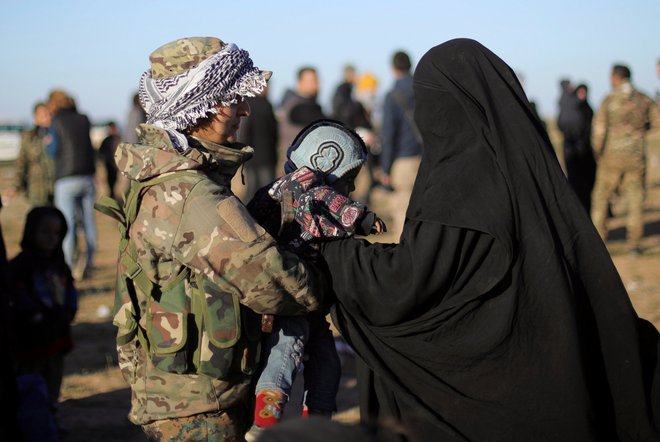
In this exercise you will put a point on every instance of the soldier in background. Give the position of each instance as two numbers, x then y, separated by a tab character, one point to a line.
34	167
190	361
619	132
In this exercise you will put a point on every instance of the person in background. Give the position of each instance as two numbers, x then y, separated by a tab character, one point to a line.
401	147
107	155
619	142
34	167
44	299
342	100
259	130
135	117
75	185
9	428
298	109
575	117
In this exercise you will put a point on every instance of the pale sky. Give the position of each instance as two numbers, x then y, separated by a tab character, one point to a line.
97	50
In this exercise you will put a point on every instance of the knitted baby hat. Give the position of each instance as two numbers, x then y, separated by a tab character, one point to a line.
328	147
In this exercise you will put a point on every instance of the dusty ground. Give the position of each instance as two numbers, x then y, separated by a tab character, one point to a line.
95	399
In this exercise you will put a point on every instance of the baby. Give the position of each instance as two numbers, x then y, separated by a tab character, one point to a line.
322	164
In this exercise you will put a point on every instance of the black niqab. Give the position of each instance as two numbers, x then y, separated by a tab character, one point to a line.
499	315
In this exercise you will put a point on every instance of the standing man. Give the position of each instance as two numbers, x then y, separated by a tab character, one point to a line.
34	167
619	131
260	131
401	143
342	101
75	185
298	109
201	267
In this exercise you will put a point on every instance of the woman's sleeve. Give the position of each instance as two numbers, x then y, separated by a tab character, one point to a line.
385	284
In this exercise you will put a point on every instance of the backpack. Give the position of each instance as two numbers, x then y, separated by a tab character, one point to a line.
133	287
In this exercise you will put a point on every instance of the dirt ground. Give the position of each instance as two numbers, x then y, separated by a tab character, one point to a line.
95	399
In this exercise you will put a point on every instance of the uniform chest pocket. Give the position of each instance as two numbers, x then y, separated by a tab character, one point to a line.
221	330
167	331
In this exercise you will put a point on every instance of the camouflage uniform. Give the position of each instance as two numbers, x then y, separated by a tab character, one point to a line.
619	130
34	168
201	351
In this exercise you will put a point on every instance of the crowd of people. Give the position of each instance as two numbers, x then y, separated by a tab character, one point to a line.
495	314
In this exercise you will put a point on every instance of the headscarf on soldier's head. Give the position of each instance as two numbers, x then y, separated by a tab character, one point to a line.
190	77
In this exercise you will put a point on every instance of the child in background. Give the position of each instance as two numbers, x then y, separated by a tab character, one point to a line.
44	299
323	162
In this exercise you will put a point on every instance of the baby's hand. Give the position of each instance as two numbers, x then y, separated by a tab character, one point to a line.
378	227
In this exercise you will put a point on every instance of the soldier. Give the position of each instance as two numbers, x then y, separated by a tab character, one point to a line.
188	339
619	129
34	167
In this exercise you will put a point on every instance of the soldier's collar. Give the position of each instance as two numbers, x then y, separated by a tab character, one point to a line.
238	152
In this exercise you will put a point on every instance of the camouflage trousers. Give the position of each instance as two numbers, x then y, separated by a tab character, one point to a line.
226	425
627	171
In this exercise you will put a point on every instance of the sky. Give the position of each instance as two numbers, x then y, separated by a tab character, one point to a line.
97	50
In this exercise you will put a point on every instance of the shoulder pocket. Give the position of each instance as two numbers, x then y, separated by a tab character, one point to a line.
236	215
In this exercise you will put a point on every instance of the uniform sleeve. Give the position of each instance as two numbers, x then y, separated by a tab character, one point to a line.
218	238
599	129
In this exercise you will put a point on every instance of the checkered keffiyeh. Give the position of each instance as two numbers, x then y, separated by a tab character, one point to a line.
176	103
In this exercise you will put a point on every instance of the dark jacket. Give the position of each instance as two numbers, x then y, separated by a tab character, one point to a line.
259	130
398	136
74	154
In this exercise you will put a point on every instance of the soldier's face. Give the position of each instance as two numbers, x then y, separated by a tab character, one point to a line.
228	120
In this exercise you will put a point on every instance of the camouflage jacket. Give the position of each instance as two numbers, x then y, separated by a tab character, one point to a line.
201	350
622	121
34	169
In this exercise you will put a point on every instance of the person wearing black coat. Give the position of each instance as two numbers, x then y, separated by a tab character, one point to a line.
75	184
575	124
259	130
500	315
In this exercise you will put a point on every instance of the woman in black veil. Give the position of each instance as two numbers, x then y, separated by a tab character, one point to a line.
499	315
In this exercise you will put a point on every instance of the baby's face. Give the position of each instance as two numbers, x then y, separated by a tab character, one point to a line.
346	184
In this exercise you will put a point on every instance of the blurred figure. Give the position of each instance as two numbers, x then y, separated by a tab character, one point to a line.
342	100
259	130
34	167
566	103
299	108
576	116
401	143
9	429
532	103
44	299
75	188
657	92
619	131
136	116
365	95
107	155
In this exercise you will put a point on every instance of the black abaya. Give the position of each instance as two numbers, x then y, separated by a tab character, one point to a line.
499	315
